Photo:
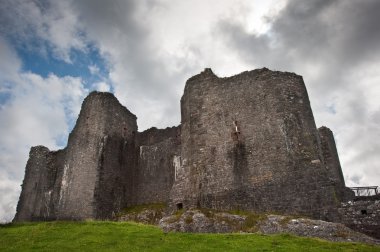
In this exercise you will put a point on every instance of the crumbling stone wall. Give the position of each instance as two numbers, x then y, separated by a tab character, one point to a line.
157	150
250	142
106	166
331	157
40	188
362	216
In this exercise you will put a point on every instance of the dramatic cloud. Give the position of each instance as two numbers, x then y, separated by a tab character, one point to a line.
33	111
54	52
36	25
335	45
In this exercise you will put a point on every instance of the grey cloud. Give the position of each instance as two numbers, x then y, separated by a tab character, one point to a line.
137	68
327	42
42	26
356	179
338	33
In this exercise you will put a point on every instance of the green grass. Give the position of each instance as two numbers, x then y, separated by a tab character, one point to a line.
121	236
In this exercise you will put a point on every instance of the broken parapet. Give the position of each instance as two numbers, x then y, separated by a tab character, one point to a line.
40	188
331	157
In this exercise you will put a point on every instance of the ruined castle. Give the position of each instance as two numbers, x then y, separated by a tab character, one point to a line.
245	142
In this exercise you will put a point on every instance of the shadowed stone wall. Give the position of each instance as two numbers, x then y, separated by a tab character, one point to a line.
331	157
40	188
157	149
245	142
99	157
250	142
106	166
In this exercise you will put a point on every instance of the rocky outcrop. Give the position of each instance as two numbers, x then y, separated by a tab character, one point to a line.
202	221
275	224
206	221
150	216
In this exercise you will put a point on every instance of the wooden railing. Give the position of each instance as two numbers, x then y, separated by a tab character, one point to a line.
365	190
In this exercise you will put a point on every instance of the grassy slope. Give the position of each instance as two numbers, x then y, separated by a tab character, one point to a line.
114	236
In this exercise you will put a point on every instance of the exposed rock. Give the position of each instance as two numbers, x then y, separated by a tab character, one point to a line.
206	221
146	216
312	228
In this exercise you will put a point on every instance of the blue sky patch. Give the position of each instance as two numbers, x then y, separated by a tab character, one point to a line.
38	63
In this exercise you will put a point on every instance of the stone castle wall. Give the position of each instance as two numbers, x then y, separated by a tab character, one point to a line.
96	165
157	152
106	166
245	142
362	215
40	189
250	142
331	157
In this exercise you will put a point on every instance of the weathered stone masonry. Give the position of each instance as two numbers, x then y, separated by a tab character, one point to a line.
250	142
362	215
107	165
245	142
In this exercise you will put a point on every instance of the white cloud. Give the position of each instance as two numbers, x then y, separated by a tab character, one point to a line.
94	69
38	24
9	63
102	86
37	113
9	191
356	124
335	46
154	46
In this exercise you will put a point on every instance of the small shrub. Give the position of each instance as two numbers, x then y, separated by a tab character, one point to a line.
189	219
179	212
140	208
209	213
251	222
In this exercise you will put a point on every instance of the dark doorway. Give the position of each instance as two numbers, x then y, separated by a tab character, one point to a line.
179	206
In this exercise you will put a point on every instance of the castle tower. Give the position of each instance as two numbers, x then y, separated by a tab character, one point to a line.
99	158
106	166
250	142
331	157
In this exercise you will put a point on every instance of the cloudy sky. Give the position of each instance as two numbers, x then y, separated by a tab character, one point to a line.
53	53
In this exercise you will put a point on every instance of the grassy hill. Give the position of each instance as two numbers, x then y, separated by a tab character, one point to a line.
122	236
